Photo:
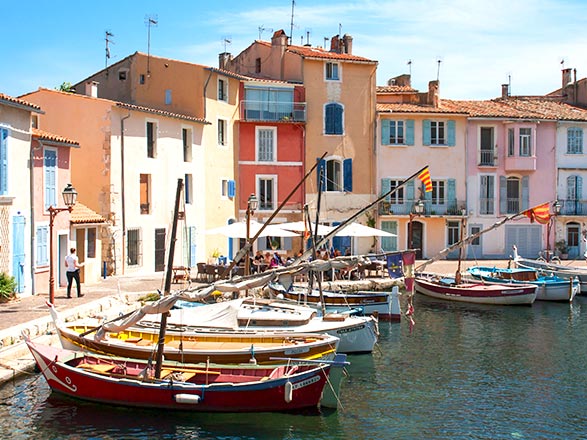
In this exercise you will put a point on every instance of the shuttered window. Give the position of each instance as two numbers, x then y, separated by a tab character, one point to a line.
333	123
50	175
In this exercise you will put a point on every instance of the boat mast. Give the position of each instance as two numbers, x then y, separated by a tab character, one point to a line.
167	287
315	239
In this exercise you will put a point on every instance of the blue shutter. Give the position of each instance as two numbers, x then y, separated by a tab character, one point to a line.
525	193
410	197
231	188
426	131
338	129
50	171
410	132
451	195
389	243
385	187
385	132
347	172
321	174
329	119
451	125
579	190
192	246
42	254
503	194
3	161
186	188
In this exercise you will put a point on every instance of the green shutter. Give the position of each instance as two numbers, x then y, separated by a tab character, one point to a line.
385	187
451	133
426	131
503	194
410	132
525	193
385	132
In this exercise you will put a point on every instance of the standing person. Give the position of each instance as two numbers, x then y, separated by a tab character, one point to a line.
72	267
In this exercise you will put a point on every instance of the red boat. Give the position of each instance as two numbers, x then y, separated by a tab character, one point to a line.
207	388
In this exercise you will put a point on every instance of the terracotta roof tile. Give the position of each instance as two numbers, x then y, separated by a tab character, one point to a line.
318	52
161	112
82	214
20	102
46	136
416	108
396	89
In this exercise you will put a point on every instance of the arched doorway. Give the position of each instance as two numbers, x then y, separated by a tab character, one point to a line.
418	238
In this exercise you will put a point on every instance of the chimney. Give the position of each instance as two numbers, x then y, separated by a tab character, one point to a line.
505	91
433	95
279	38
335	44
566	77
404	80
224	60
92	89
347	42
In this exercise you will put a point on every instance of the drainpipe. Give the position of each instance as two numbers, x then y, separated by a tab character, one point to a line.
32	210
122	190
204	91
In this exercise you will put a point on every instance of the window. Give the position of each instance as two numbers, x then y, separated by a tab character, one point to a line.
91	249
266	191
486	196
486	147
189	188
438	192
389	243
222	90
122	75
333	175
168	97
186	138
227	188
513	191
525	142
437	133
145	194
134	245
142	78
398	196
453	232
50	174
151	139
333	114
573	234
42	245
221	132
396	132
574	141
3	161
511	142
336	175
257	65
332	71
266	144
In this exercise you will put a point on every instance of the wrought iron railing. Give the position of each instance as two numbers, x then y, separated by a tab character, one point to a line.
573	207
438	207
487	158
273	111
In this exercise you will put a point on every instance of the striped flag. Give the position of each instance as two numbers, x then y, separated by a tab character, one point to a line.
424	176
540	213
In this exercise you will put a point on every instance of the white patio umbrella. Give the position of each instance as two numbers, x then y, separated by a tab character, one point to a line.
300	227
239	230
358	230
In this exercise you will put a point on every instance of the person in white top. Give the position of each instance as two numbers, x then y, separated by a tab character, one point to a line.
72	267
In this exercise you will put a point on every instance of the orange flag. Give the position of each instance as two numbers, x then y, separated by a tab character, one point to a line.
424	176
540	213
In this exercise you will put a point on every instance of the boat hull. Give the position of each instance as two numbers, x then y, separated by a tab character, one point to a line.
477	293
564	272
285	393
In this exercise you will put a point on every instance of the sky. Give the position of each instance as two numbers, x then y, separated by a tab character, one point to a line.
480	44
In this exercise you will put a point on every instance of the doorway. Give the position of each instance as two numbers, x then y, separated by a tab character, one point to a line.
418	238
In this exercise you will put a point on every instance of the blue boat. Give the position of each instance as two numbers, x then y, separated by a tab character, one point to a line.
548	287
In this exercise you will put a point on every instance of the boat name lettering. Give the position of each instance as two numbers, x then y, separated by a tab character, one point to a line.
306	382
297	350
351	329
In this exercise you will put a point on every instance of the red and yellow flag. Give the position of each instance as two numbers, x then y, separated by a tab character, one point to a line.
540	213
424	176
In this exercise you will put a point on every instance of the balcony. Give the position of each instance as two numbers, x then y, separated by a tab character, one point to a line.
273	111
520	163
488	158
573	207
440	207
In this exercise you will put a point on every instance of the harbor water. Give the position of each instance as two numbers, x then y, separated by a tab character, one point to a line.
462	372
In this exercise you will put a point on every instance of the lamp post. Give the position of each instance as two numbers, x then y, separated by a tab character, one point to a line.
252	205
556	208
416	211
69	198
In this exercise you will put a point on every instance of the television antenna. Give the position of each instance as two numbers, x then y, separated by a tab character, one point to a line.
263	29
291	25
108	37
150	20
438	61
227	41
409	63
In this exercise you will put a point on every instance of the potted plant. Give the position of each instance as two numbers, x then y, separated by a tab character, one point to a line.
562	249
7	288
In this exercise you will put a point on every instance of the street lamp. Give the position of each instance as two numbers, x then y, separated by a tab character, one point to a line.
252	205
417	210
69	198
556	208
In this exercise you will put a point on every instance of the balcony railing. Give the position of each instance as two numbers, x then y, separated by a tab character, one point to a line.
273	111
440	207
573	207
487	158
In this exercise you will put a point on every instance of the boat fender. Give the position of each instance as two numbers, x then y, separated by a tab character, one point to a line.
288	392
192	399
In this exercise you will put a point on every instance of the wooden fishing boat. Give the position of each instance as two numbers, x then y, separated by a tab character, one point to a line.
357	334
548	288
226	347
444	287
205	387
560	270
384	304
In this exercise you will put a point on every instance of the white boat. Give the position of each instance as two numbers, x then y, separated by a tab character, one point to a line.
560	270
357	334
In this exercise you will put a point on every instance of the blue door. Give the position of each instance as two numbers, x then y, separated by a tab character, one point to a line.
18	222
